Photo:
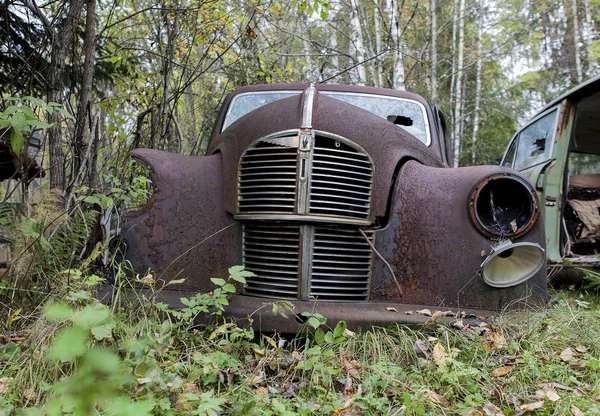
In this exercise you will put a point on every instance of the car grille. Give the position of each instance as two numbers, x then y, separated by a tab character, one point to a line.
339	179
307	262
267	181
340	183
341	265
272	253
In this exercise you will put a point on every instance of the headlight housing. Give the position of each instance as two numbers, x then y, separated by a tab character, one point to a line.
503	205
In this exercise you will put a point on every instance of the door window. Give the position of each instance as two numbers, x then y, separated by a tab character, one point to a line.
535	142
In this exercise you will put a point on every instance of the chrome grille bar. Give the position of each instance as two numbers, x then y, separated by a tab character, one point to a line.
272	252
268	179
342	262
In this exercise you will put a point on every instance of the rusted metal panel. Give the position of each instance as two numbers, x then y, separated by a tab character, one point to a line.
435	250
183	231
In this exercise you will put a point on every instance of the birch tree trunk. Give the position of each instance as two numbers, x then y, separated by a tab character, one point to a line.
587	35
459	77
357	41
576	41
395	33
61	39
477	82
434	87
378	46
453	51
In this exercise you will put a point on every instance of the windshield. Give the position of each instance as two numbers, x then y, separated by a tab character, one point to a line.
407	114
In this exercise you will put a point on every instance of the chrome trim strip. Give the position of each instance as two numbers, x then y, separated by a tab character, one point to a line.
307	108
297	218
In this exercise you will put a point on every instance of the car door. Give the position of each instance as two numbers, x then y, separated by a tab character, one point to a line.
538	151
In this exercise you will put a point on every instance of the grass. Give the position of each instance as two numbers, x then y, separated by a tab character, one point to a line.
134	361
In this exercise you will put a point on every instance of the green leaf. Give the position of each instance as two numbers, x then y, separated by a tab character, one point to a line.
35	101
102	361
339	329
58	312
313	322
29	229
69	345
92	316
217	281
103	331
176	282
229	288
16	141
79	295
125	407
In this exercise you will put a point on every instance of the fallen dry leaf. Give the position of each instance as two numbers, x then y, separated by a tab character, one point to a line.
422	362
389	308
421	348
577	393
190	388
408	312
348	388
437	315
576	412
555	385
491	410
435	398
475	411
439	353
349	334
255	379
567	355
501	371
261	391
350	366
3	382
424	312
581	348
531	407
498	340
551	394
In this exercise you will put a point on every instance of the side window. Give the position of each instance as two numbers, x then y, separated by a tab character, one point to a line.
535	142
510	154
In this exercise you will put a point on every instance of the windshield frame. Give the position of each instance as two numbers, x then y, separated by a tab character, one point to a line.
364	94
330	93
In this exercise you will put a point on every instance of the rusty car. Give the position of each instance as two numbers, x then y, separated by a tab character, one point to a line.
341	200
559	151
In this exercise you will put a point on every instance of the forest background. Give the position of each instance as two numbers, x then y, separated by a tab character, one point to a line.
140	73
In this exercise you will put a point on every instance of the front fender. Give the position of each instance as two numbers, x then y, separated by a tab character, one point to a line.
436	251
183	231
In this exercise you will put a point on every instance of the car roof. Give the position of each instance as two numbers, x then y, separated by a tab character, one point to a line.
579	92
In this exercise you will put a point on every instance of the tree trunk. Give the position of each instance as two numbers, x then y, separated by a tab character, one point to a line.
396	33
378	47
453	50
576	41
61	39
358	45
434	87
477	81
84	109
459	77
587	36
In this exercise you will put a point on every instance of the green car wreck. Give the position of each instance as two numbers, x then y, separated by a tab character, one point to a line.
558	150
